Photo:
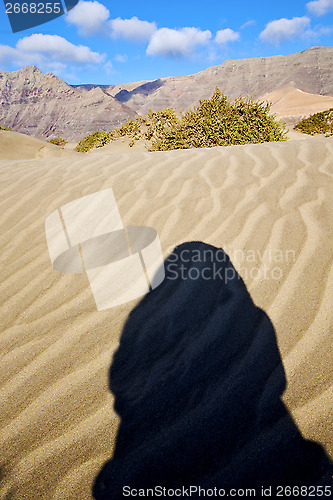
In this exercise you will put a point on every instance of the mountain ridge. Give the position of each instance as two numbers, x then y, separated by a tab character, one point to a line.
311	70
44	106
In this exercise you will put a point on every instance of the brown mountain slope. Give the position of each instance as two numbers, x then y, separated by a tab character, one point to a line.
310	70
44	106
110	89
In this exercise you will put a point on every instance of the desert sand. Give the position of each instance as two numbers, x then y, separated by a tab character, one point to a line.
16	146
292	105
269	206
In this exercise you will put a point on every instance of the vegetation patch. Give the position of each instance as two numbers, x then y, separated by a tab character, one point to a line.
319	123
95	140
4	128
215	122
58	141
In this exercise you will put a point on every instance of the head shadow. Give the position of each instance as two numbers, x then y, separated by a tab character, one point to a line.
198	380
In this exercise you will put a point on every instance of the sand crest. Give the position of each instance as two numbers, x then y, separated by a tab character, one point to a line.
16	146
292	105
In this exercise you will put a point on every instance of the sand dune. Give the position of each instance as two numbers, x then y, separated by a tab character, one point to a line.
293	105
268	206
16	146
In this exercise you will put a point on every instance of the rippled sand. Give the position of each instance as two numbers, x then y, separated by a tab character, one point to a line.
268	206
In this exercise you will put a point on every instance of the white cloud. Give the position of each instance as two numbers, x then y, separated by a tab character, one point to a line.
284	29
6	53
88	17
248	23
48	52
320	7
132	29
92	17
121	58
56	47
177	42
225	36
108	68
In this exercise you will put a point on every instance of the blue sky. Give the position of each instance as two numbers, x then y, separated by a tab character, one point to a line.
108	42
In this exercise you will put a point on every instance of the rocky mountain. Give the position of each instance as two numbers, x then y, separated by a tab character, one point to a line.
310	70
44	106
110	89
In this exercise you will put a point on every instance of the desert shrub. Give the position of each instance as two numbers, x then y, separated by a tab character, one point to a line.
160	123
4	128
219	122
319	123
153	126
215	122
95	140
132	128
58	141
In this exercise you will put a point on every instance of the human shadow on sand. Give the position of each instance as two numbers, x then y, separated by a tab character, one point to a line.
197	380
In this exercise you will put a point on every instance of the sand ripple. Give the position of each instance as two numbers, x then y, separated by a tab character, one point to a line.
269	206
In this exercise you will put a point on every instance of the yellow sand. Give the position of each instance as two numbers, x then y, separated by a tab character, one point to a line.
292	104
57	424
16	146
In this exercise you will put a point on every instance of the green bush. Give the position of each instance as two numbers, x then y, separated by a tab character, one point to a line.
58	141
219	122
215	122
319	123
4	128
95	140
